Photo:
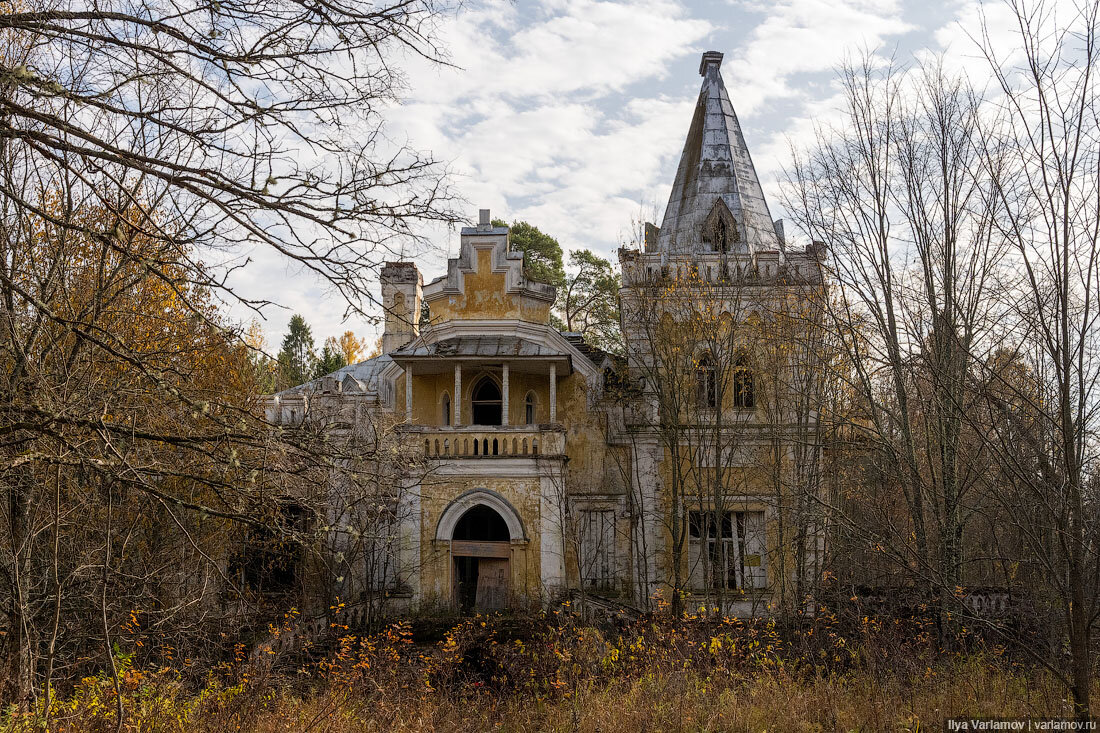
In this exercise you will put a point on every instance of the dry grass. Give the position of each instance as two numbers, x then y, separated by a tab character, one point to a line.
657	676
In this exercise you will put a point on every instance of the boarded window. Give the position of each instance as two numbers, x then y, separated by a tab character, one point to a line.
597	548
727	550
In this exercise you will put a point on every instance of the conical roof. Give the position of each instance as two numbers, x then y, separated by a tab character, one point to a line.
715	165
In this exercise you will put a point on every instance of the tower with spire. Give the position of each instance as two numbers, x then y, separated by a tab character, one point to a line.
717	217
720	272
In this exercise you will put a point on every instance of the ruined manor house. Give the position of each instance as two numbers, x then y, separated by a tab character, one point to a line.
534	478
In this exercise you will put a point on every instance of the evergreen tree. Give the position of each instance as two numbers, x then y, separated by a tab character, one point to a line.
542	256
332	358
296	359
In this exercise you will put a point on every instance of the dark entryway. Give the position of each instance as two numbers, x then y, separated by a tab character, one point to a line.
481	555
486	402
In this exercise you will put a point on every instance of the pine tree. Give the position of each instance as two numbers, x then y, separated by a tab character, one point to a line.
542	255
296	359
332	358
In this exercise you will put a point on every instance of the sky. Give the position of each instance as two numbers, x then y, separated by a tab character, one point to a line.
571	114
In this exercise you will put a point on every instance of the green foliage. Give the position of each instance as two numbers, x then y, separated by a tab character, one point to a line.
331	359
265	371
589	301
542	255
297	361
588	292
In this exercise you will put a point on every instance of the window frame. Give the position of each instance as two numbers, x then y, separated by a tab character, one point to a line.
728	564
744	384
706	382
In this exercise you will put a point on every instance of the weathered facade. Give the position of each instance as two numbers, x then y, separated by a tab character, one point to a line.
540	472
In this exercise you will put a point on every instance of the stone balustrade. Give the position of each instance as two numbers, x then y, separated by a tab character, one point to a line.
490	442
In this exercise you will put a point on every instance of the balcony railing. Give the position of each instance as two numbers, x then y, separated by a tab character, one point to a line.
485	442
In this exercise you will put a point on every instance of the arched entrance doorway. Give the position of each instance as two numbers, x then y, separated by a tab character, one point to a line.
481	557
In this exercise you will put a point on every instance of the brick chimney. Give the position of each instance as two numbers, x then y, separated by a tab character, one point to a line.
401	297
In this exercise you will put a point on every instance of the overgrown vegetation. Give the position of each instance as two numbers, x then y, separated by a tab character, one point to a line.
549	673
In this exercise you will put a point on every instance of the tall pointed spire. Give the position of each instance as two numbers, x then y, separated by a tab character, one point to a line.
716	166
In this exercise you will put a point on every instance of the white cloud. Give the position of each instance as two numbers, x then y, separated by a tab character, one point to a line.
801	36
565	113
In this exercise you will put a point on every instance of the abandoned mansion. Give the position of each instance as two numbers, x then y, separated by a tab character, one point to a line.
524	464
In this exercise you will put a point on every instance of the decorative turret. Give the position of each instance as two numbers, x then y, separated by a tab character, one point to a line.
717	203
401	296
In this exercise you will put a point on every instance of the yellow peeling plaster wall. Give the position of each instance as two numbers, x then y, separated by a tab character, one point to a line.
484	297
523	494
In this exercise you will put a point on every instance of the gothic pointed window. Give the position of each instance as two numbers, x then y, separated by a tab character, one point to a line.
487	402
529	409
445	404
721	236
706	382
720	228
744	388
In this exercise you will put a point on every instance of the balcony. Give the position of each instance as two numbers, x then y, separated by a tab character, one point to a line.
480	441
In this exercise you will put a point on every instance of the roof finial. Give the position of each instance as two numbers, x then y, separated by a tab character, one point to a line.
710	58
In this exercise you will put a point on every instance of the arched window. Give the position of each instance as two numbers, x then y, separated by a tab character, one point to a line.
720	228
446	407
706	383
487	402
721	236
529	409
744	391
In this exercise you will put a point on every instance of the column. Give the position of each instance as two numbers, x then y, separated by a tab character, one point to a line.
648	552
552	529
408	394
458	395
504	396
553	392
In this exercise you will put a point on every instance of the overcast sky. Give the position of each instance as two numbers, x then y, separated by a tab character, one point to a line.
571	114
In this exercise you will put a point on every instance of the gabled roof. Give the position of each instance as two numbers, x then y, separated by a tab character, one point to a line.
365	376
715	164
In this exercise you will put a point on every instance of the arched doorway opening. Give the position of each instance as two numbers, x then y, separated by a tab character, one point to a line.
486	402
481	557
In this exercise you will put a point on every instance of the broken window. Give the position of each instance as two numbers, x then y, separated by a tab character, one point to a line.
727	550
487	402
272	556
706	382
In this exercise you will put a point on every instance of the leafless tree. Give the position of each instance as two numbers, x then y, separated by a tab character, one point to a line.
1044	167
915	252
964	234
145	150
